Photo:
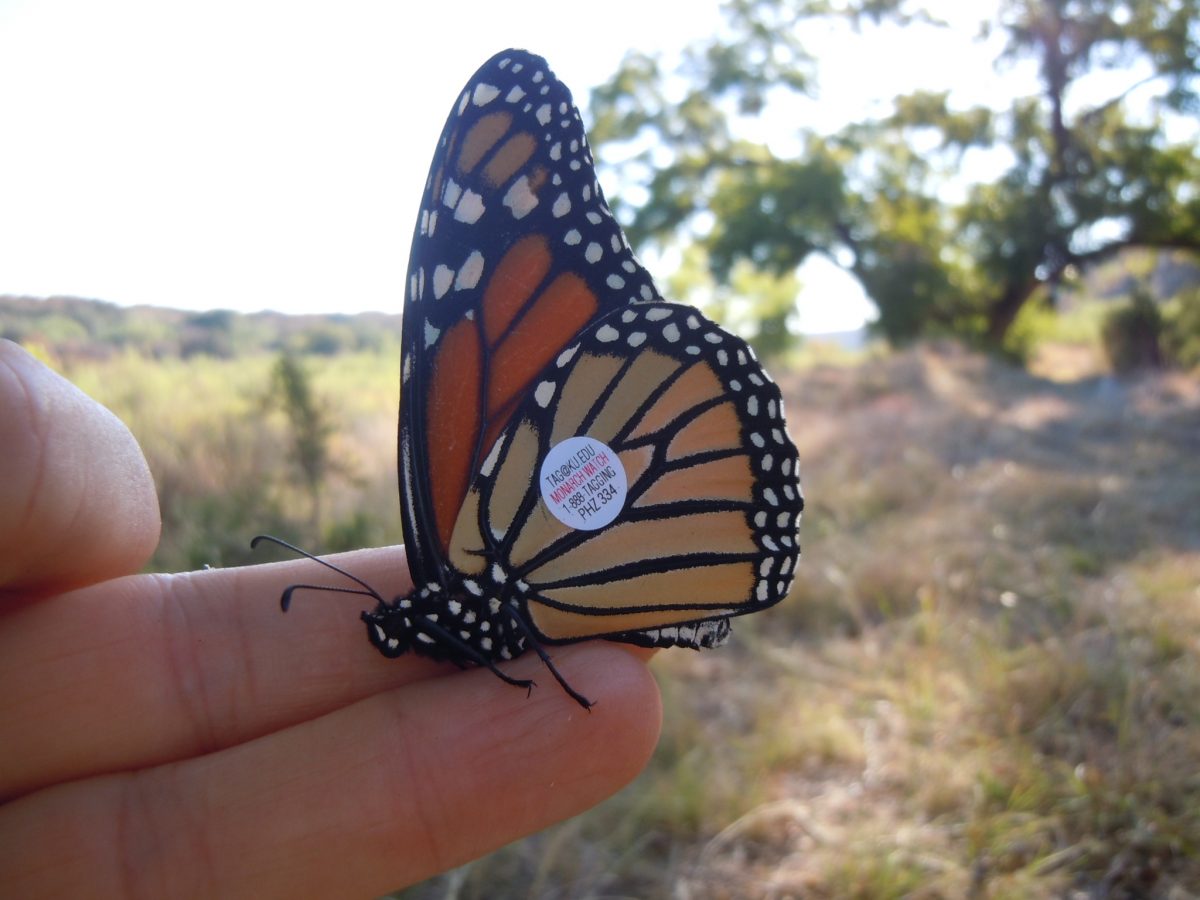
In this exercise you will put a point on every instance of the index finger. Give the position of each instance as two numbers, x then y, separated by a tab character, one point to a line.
152	668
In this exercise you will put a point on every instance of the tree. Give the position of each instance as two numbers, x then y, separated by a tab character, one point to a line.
310	427
1084	180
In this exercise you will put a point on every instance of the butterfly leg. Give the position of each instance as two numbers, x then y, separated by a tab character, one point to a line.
548	663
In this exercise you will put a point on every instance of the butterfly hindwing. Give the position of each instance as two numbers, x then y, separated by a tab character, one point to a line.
515	252
706	517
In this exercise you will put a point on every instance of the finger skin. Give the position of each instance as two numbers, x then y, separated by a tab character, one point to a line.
362	801
147	669
77	503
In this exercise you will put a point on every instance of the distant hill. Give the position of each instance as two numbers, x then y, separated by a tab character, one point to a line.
78	328
75	328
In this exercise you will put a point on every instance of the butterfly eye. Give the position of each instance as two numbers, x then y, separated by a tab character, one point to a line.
579	459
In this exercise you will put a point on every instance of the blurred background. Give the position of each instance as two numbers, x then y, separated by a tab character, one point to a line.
964	235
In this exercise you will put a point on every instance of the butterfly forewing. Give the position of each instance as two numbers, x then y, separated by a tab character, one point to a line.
515	252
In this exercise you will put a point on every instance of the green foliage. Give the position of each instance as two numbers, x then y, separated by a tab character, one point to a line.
210	334
328	340
1181	332
310	426
357	530
1083	181
1036	322
220	458
1131	334
71	327
51	329
757	305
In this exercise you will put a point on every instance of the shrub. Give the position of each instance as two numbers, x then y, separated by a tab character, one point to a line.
1181	332
1131	334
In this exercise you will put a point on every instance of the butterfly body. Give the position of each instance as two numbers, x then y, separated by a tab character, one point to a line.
579	459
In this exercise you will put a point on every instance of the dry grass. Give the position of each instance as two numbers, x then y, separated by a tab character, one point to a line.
985	684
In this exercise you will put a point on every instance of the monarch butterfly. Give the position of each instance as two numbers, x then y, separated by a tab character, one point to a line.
578	458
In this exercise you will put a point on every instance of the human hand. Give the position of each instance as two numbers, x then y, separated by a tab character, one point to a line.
174	735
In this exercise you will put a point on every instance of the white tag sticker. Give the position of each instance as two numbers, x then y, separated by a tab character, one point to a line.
583	483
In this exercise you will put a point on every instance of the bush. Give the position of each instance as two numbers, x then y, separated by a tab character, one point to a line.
1181	332
1132	334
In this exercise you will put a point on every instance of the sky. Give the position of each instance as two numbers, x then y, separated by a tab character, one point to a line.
269	154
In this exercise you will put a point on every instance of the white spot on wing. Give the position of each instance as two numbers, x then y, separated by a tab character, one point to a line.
489	462
469	208
443	277
520	199
470	273
484	94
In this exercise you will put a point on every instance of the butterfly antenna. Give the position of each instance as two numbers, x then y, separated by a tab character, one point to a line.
286	600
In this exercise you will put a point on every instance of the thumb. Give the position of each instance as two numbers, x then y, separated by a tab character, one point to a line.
77	503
